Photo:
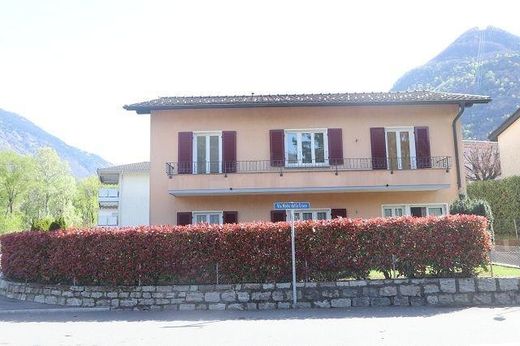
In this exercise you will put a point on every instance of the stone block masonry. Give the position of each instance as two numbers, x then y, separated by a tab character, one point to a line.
251	296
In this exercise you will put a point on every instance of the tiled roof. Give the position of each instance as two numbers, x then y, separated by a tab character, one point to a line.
130	167
493	136
338	99
470	144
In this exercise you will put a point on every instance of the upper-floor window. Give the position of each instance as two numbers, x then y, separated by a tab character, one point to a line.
400	147
306	147
207	152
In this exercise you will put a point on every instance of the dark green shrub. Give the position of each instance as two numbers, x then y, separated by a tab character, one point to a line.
469	206
462	205
57	224
41	224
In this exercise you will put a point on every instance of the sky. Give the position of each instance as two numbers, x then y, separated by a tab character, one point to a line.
69	66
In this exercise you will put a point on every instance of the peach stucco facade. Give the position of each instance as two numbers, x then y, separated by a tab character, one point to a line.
362	193
509	147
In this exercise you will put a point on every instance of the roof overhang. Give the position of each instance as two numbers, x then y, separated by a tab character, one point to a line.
108	177
393	98
148	110
298	190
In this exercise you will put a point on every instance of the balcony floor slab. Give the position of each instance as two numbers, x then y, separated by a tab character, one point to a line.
320	189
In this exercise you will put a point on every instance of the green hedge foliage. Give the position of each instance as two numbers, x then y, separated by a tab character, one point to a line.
503	197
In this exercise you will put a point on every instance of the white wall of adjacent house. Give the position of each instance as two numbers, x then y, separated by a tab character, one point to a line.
134	199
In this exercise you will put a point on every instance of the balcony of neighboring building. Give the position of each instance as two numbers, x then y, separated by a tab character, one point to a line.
108	197
108	220
210	178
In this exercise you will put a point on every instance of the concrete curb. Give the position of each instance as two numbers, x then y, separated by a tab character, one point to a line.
52	310
506	265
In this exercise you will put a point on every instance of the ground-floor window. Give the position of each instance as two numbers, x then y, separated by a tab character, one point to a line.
211	217
310	214
108	218
417	210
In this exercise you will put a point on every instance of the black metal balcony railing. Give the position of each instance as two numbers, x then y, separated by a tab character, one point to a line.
281	166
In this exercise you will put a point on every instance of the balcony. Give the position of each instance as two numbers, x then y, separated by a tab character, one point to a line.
107	220
108	196
277	177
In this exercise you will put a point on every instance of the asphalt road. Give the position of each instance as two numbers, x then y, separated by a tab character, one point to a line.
356	326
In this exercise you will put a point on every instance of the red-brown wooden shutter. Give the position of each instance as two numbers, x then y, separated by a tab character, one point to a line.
335	138
230	216
278	215
229	151
183	218
276	139
185	154
377	141
422	147
335	213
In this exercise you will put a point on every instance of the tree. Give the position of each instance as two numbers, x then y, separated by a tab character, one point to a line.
38	191
16	171
482	162
86	200
52	192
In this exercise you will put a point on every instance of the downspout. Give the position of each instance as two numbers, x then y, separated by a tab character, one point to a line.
462	106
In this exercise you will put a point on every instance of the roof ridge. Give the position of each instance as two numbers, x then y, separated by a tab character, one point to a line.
302	99
312	94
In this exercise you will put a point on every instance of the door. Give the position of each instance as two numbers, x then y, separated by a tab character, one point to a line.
400	148
207	153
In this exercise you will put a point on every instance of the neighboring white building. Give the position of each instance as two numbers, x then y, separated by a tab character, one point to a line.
128	202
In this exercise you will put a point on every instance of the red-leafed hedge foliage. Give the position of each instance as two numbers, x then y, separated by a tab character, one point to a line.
250	252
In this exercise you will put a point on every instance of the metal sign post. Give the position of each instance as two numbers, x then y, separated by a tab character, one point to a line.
291	207
293	258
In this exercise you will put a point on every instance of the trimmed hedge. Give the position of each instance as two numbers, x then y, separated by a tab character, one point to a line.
503	196
250	252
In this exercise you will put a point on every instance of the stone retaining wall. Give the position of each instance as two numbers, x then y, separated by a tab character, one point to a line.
401	292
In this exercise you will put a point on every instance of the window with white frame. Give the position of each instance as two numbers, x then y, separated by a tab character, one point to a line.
207	152
211	217
417	210
306	147
400	147
108	218
393	211
310	214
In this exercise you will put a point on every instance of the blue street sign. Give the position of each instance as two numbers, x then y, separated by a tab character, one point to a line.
291	205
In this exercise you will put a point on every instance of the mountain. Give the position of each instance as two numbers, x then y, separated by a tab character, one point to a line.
21	135
485	62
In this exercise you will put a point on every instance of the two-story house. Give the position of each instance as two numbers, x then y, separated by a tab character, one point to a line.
227	159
